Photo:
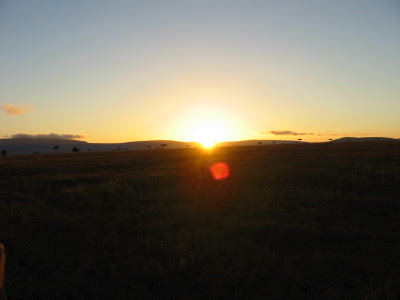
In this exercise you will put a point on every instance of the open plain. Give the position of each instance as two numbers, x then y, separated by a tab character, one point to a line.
297	221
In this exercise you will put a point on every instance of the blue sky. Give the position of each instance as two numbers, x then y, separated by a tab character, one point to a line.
136	70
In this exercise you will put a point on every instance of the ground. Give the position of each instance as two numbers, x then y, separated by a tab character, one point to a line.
302	221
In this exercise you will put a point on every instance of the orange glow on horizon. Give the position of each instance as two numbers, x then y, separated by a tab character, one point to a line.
208	134
208	127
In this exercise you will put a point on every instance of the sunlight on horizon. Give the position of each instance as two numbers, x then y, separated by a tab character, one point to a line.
208	133
207	127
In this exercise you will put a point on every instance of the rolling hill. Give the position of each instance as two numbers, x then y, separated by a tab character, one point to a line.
45	145
362	139
38	145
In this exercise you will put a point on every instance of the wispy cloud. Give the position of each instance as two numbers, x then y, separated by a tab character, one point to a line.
14	110
285	132
48	136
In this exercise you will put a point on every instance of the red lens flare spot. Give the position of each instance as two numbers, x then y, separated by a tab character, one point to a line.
220	170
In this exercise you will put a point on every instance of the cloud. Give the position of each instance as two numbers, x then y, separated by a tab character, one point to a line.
285	132
48	136
10	109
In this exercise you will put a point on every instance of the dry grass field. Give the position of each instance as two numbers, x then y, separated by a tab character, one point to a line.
302	221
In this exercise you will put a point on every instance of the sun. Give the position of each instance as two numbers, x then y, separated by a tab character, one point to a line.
209	129
208	133
207	126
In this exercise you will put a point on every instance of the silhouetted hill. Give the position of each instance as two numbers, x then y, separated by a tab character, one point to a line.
254	142
363	139
39	141
141	145
45	145
39	145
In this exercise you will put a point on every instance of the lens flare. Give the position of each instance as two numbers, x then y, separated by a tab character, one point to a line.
220	170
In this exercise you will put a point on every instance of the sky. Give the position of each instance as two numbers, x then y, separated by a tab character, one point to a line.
119	71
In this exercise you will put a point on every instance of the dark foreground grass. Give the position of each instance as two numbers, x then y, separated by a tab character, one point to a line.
318	221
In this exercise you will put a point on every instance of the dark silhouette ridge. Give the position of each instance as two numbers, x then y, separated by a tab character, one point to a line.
362	139
39	145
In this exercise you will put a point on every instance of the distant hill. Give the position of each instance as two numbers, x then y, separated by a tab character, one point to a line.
254	142
38	145
141	145
43	145
39	141
363	139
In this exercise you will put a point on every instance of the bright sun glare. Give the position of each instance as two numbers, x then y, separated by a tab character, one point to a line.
209	133
209	128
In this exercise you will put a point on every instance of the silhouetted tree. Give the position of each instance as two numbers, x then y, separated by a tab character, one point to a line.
299	140
163	145
56	148
149	146
330	139
3	152
75	149
273	142
259	143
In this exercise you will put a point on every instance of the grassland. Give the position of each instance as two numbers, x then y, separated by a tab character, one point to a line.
303	221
